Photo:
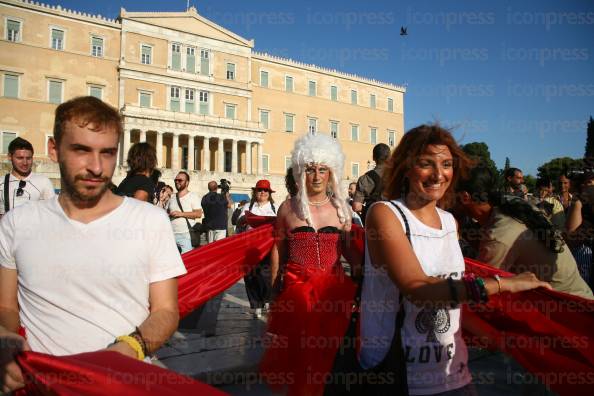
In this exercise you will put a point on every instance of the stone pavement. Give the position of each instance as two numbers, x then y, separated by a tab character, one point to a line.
229	359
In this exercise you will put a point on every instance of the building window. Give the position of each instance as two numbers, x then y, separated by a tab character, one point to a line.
204	62
312	91
203	97
289	118
373	136
391	138
97	47
288	163
312	125
96	91
11	86
334	129
372	101
266	163
263	78
230	71
7	137
288	83
355	133
55	91
353	97
146	54
144	99
189	105
264	118
390	105
176	56
355	170
174	99
57	39
191	60
334	93
230	111
13	30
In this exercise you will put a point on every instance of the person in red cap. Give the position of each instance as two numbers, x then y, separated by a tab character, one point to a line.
257	283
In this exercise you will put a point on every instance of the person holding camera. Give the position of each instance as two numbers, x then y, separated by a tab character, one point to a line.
215	210
184	211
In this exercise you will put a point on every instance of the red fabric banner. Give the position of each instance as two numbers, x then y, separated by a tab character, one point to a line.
103	373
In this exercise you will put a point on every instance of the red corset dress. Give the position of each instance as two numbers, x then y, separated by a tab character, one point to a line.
309	318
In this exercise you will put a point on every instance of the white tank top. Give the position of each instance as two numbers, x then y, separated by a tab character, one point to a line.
436	355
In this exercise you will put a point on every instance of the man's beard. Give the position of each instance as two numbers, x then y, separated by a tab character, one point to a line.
79	194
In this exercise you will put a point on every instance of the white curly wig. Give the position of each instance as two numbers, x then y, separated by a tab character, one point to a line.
319	149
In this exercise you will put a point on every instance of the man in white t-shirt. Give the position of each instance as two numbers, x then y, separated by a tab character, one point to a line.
23	185
87	270
184	217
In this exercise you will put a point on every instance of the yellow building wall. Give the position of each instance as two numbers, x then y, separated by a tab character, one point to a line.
132	54
133	86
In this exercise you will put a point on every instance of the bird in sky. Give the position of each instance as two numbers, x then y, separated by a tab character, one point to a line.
403	31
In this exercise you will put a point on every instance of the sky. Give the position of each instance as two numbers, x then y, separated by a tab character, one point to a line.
517	75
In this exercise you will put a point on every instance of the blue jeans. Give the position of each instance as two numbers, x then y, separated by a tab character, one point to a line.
183	241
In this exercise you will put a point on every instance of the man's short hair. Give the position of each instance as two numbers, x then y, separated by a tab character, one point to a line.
86	110
19	144
351	183
511	172
185	173
381	152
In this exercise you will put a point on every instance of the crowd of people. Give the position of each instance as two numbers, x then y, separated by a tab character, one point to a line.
100	270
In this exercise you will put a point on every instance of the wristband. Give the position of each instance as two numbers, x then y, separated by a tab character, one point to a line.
133	343
498	279
453	291
138	336
483	296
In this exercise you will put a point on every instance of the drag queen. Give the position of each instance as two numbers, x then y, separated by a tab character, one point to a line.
310	315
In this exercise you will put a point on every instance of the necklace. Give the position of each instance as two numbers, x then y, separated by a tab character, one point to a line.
320	203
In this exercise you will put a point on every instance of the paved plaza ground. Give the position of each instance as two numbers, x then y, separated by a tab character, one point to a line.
229	359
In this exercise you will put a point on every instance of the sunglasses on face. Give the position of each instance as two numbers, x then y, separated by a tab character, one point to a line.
261	190
20	191
179	180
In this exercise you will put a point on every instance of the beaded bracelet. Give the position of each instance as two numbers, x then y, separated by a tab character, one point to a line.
138	337
484	297
472	289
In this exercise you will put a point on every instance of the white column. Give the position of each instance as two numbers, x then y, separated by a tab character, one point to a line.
126	146
191	166
221	154
206	148
234	156
259	159
248	157
175	152
159	149
142	136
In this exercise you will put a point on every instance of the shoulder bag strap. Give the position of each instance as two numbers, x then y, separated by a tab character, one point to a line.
6	193
400	315
182	209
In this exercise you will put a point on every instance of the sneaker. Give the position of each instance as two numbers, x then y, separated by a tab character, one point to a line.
257	313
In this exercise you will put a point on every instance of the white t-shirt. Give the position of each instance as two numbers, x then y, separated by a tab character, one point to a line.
37	187
437	358
190	202
81	285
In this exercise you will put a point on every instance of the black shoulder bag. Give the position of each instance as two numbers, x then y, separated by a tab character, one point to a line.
6	193
194	235
389	376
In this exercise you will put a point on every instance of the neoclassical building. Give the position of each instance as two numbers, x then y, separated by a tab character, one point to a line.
198	92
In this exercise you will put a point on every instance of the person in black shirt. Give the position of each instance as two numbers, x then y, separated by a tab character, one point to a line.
142	160
215	208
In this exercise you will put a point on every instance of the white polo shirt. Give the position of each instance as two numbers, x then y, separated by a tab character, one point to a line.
37	187
81	285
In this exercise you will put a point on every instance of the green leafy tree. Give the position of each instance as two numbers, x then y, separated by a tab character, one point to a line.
479	151
557	166
590	139
530	182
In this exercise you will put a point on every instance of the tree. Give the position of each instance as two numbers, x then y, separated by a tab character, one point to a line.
530	183
480	151
590	140
507	165
557	166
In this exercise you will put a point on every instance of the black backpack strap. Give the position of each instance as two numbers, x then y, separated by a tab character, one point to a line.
182	209
273	208
6	193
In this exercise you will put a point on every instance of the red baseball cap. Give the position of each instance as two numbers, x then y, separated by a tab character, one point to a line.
264	185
